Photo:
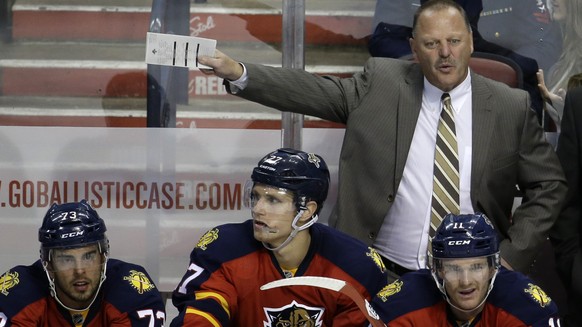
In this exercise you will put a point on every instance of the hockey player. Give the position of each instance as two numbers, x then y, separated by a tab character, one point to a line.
466	284
75	283
283	239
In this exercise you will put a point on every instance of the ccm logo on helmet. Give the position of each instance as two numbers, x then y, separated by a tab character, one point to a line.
73	234
464	242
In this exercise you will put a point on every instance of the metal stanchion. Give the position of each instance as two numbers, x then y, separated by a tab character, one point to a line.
293	57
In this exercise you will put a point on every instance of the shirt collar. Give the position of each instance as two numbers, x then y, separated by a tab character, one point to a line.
433	94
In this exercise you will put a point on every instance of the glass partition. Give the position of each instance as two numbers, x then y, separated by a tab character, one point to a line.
81	63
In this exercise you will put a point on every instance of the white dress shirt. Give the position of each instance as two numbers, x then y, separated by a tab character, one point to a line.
403	237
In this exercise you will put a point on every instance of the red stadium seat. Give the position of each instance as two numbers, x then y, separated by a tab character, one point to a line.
498	68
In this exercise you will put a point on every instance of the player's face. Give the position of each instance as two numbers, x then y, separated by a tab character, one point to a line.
466	281
77	273
273	210
443	45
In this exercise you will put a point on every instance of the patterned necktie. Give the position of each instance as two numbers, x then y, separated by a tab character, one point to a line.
445	194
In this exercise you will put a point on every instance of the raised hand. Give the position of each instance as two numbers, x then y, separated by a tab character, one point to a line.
222	66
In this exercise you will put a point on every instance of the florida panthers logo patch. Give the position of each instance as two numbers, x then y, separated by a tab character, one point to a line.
390	290
293	315
208	237
139	281
538	295
372	253
8	281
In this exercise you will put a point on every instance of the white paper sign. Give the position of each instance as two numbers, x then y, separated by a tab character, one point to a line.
177	50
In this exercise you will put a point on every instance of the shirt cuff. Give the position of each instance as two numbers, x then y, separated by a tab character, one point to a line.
241	83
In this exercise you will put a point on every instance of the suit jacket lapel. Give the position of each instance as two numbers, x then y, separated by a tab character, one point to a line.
484	111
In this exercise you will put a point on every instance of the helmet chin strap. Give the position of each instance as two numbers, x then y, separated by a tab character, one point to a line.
296	229
54	290
444	291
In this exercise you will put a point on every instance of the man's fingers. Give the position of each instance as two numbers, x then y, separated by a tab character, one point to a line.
207	71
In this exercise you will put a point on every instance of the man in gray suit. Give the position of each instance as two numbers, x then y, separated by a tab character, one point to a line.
391	111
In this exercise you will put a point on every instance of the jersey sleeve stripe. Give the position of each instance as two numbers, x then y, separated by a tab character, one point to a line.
205	315
217	297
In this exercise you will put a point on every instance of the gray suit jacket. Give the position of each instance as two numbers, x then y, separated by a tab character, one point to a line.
380	107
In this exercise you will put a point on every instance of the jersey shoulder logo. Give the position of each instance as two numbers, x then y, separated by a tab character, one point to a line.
139	281
538	295
372	253
208	237
8	281
293	315
390	290
314	159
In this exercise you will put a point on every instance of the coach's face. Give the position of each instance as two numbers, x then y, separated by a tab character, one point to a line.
442	43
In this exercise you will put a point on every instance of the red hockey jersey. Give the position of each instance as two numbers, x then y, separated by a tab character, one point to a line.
415	300
228	266
128	298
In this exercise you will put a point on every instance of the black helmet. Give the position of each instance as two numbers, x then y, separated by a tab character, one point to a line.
305	174
464	236
71	225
